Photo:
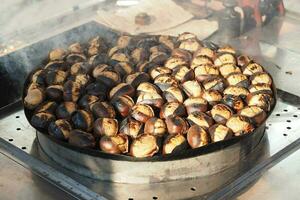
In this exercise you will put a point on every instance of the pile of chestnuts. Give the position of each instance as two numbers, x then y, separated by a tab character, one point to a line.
148	95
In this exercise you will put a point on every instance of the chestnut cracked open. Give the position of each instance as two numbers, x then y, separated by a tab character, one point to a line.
152	97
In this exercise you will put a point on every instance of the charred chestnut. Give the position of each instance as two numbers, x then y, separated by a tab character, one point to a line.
103	109
156	71
82	120
72	91
131	127
164	81
215	83
81	139
60	129
260	88
193	104
203	72
174	144
144	146
38	77
176	125
139	55
123	105
236	91
238	79
123	41
121	89
201	60
174	62
229	68
48	106
79	68
97	89
204	51
192	88
243	60
137	78
172	108
252	68
33	98
197	137
97	70
181	53
200	119
81	79
185	36
191	45
142	112
42	120
225	58
55	92
221	113
212	96
220	132
158	58
152	99
65	110
226	49
234	102
57	54
75	48
155	126
116	144
109	78
262	100
256	114
183	73
75	58
240	125
173	94
261	78
55	77
106	126
147	87
87	100
123	68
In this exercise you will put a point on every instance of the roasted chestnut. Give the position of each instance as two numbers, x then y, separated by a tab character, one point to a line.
185	36
55	77
103	109
155	126
212	96
262	100
131	127
139	55
200	119
123	68
75	58
215	83
48	106
174	62
120	57
164	81
147	87
87	100
172	108
106	126
240	125
96	46
221	113
201	60
121	89
75	48
174	144
82	139
183	73
225	58
38	77
236	91
229	68
123	105
193	104
181	53
55	65
42	120
167	41
261	78
60	129
156	71
191	45
97	89
57	54
252	68
226	49
260	88
192	88
116	144
173	94
206	71
256	114
220	132
98	59
79	68
72	91
65	110
143	146
33	98
146	66
152	99
234	102
142	112
197	137
158	58
55	92
123	41
238	79
82	120
176	125
97	70
205	51
109	78
137	78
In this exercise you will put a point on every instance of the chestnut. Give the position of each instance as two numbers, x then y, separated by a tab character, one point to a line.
103	109
82	120
252	68
167	41
221	113
33	98
197	137
55	77
72	91
174	144
82	139
181	53
240	125
120	57
172	108
55	65
156	71
243	60
147	87
174	62
146	66
139	55
81	79
176	125
123	68
226	49
142	112
57	54
158	58
116	144
137	78
236	91
212	96
183	73
155	126
234	102
220	132
164	81
185	36
121	89
48	106
225	58
55	92
262	100
238	79
193	104
205	71
97	89
144	146
261	78
97	70
260	88
192	88
256	114
201	60
79	68
191	45
215	83
86	101
112	51
229	68
109	78
98	59
152	99
75	58
42	120
38	77
173	94
75	48
105	126
200	119
131	127
205	51
96	45
123	105
123	41
65	110
60	129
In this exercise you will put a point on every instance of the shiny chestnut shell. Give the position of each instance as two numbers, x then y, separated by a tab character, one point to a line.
131	127
121	89
221	113
155	126
142	112
60	129
176	125
143	146
81	139
193	104
42	120
240	125
54	92
82	120
174	144
256	114
200	119
116	144
197	137
103	109
220	132
172	108
106	126
65	110
123	105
